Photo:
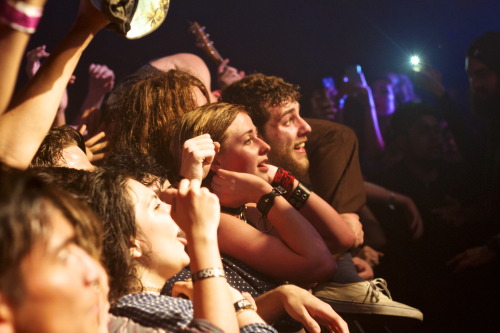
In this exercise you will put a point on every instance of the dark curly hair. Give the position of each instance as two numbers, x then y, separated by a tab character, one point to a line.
258	92
50	151
106	193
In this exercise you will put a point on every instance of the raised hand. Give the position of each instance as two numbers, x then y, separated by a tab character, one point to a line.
197	156
95	145
101	79
195	209
33	60
226	75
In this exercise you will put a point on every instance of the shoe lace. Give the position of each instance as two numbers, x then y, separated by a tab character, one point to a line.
375	287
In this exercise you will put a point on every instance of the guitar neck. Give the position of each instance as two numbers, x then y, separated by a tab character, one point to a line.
214	55
205	43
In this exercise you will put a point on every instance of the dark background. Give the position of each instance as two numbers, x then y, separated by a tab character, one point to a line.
299	40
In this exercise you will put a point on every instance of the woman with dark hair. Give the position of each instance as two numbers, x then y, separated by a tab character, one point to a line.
143	247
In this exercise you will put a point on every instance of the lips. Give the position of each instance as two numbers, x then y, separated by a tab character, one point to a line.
181	237
262	166
300	147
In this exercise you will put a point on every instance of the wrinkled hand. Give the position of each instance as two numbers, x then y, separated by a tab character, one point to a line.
195	209
235	188
364	270
370	255
311	311
101	79
95	145
355	225
197	156
226	75
473	257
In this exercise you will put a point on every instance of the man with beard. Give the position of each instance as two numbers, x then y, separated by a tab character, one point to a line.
332	169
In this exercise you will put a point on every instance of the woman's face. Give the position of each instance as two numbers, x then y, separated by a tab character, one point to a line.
162	244
243	150
65	290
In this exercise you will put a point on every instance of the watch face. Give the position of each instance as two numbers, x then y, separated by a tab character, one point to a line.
243	304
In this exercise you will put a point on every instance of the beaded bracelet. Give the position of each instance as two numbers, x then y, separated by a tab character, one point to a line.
299	196
208	273
20	16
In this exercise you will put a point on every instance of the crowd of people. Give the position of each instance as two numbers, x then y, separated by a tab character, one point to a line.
166	206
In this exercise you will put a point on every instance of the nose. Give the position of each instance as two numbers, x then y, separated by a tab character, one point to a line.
264	148
303	127
93	273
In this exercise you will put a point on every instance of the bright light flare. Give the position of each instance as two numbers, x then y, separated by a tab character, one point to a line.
415	60
416	63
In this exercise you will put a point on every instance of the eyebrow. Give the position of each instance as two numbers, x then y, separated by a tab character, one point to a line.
286	113
252	130
63	245
152	198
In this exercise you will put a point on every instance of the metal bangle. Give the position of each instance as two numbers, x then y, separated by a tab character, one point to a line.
208	273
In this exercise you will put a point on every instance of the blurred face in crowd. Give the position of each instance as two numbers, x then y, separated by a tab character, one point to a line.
323	105
243	150
286	133
424	139
383	96
65	290
162	244
484	86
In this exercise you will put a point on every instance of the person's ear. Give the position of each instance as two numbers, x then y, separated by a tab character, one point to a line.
135	249
6	315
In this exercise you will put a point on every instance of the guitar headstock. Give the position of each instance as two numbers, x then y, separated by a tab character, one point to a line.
203	41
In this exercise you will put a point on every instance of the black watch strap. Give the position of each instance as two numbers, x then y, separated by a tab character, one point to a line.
267	200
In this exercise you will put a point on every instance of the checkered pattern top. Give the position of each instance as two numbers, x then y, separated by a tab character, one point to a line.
169	313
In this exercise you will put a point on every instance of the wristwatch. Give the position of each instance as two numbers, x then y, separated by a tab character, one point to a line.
267	200
243	304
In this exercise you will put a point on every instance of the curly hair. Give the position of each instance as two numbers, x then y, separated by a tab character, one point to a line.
258	92
50	152
142	109
136	165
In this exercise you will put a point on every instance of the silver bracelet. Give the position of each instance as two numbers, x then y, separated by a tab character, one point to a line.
208	273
